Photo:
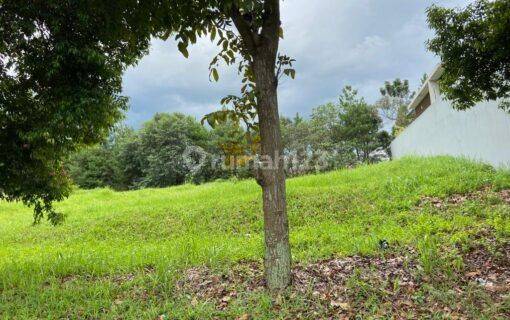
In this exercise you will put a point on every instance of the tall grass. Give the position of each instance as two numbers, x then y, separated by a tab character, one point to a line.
338	213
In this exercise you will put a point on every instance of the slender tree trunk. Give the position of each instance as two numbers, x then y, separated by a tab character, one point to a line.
235	165
271	176
263	49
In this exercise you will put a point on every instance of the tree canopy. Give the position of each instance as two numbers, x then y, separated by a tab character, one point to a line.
395	98
61	64
474	46
360	126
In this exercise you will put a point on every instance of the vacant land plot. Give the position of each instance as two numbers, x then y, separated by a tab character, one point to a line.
415	237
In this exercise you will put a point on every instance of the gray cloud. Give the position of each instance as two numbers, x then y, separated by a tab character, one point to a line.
335	42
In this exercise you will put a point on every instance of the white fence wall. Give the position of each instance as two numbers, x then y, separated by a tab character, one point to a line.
481	133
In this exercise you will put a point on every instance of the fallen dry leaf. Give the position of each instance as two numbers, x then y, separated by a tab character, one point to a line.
341	304
244	317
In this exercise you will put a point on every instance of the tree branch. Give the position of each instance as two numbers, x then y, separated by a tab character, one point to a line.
250	38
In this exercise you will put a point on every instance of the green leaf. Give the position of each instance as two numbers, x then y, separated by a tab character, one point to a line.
183	48
193	37
166	35
213	33
280	32
290	73
214	74
211	120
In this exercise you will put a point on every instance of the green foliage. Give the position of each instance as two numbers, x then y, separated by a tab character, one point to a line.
324	123
93	168
335	136
323	120
230	138
124	146
398	88
297	144
119	253
236	146
474	46
61	64
395	97
360	127
163	141
154	156
423	79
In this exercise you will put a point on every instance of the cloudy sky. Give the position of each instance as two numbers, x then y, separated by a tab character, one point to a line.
335	42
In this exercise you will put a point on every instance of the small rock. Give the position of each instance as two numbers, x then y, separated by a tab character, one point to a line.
383	244
485	283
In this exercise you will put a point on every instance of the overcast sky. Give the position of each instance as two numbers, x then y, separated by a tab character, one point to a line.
335	42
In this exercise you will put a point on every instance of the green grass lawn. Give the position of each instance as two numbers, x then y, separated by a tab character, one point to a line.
152	236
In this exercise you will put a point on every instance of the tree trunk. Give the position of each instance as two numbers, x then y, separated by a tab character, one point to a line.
235	165
263	48
271	175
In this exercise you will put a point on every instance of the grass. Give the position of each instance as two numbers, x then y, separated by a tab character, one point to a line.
152	235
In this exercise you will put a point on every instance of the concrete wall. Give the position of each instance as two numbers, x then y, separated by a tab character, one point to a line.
481	133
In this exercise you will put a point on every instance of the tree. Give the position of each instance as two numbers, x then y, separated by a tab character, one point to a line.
124	143
163	144
295	133
360	127
395	97
61	64
93	168
259	31
474	46
402	121
296	144
329	149
324	119
169	150
107	164
60	87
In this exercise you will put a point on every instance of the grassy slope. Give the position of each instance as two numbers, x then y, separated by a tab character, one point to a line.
338	213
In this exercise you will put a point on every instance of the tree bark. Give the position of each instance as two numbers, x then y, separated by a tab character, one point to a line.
277	260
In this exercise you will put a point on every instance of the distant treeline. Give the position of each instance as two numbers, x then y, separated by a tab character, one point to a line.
173	149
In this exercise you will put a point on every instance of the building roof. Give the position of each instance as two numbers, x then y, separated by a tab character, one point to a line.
424	90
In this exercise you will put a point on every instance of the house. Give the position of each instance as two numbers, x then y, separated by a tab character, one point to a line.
481	133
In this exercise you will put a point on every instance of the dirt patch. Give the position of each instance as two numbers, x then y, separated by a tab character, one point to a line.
459	199
345	287
203	284
505	196
325	279
489	266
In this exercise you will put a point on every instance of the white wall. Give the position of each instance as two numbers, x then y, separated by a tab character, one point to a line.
481	133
